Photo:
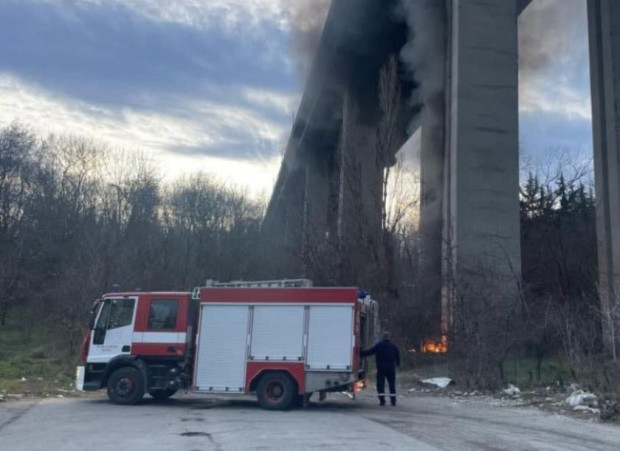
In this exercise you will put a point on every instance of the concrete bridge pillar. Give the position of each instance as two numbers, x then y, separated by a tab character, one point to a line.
315	216
604	30
359	212
287	236
432	139
482	255
316	201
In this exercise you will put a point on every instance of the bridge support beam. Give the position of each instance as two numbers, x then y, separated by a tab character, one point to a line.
482	257
604	30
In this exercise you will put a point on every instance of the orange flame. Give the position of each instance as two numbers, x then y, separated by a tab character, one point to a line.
435	347
361	385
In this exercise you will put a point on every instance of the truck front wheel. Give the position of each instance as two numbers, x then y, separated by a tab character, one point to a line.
276	391
126	386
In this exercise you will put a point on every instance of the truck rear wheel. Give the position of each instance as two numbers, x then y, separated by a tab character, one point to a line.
276	391
160	395
126	386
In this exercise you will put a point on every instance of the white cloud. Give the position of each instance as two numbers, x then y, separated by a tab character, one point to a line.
233	15
220	119
257	176
284	104
554	76
210	126
556	96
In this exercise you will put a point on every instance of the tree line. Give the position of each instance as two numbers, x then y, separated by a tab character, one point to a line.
77	217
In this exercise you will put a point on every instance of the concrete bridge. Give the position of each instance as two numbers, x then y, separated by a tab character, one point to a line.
361	103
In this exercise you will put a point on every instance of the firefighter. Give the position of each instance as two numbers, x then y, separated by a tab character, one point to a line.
388	358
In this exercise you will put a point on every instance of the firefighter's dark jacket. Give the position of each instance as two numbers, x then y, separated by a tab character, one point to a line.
386	353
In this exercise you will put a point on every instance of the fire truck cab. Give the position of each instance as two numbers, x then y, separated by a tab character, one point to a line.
282	340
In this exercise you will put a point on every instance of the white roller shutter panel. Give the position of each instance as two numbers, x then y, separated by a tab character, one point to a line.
330	338
222	346
277	333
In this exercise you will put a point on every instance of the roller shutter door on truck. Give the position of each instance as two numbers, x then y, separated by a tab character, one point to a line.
330	337
222	348
277	333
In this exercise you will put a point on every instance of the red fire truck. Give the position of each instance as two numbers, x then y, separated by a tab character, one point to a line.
282	340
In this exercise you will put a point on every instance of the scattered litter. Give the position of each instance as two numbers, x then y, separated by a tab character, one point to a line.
580	398
15	396
23	379
411	390
512	390
441	382
587	409
60	396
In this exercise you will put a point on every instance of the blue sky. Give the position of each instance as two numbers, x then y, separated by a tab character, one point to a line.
212	84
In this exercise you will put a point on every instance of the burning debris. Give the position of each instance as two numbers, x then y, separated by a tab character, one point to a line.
429	346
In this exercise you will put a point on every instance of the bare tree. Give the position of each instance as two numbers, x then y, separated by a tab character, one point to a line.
16	147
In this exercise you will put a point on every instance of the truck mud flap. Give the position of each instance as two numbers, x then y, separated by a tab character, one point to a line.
80	372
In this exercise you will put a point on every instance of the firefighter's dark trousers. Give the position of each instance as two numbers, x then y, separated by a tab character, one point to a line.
390	375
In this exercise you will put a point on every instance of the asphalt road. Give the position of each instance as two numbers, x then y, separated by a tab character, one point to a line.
199	423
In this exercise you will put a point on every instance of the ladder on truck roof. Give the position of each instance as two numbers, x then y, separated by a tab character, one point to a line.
281	283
